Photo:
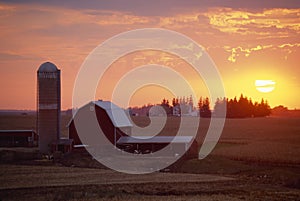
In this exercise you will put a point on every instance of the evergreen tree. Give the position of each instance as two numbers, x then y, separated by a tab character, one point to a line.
165	104
204	107
200	103
219	107
174	102
243	108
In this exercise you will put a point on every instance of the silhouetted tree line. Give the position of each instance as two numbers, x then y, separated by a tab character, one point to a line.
140	111
182	106
235	108
242	108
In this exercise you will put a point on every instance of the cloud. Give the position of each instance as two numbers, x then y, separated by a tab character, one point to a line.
228	20
5	8
9	56
245	51
288	48
235	52
158	7
179	19
289	45
122	19
85	28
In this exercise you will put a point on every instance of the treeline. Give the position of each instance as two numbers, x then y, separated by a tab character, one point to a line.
242	107
235	108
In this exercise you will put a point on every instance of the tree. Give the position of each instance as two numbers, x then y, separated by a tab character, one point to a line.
204	107
220	106
200	103
243	108
165	104
262	109
174	102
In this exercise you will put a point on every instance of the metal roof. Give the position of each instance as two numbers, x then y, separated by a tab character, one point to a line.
47	67
155	139
24	133
116	114
107	105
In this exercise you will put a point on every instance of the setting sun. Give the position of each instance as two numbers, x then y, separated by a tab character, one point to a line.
265	86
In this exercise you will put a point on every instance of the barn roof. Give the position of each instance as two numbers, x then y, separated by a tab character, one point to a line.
155	139
116	114
17	131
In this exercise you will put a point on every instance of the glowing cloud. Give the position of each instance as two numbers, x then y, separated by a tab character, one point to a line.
258	23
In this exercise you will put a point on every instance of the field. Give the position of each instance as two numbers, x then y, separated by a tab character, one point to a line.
255	159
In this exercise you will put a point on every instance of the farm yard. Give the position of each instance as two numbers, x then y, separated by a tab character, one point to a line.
255	159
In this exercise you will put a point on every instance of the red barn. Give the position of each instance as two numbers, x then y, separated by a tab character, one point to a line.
111	118
116	127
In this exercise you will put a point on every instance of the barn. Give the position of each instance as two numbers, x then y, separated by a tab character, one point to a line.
18	138
116	127
111	118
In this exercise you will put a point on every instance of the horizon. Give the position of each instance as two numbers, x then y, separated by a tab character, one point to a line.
151	104
258	58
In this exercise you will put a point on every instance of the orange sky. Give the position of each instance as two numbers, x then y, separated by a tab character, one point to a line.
246	42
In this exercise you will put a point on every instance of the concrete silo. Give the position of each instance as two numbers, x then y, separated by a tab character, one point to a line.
48	106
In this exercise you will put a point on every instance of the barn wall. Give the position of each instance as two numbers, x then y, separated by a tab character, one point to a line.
73	134
105	124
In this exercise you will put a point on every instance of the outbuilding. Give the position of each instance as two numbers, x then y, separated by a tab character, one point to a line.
18	138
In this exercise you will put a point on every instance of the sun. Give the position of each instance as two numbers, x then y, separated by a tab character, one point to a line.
265	86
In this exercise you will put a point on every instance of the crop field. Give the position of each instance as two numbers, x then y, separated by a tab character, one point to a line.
255	159
275	140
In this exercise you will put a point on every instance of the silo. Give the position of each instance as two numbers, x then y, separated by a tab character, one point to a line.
48	105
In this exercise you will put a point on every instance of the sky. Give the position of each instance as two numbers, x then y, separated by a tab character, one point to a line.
247	41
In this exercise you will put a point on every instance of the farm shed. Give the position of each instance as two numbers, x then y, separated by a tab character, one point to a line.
18	138
142	144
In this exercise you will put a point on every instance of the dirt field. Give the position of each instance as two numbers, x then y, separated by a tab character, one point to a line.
255	159
232	180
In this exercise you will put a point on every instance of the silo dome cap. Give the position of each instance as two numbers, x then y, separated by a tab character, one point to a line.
48	67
